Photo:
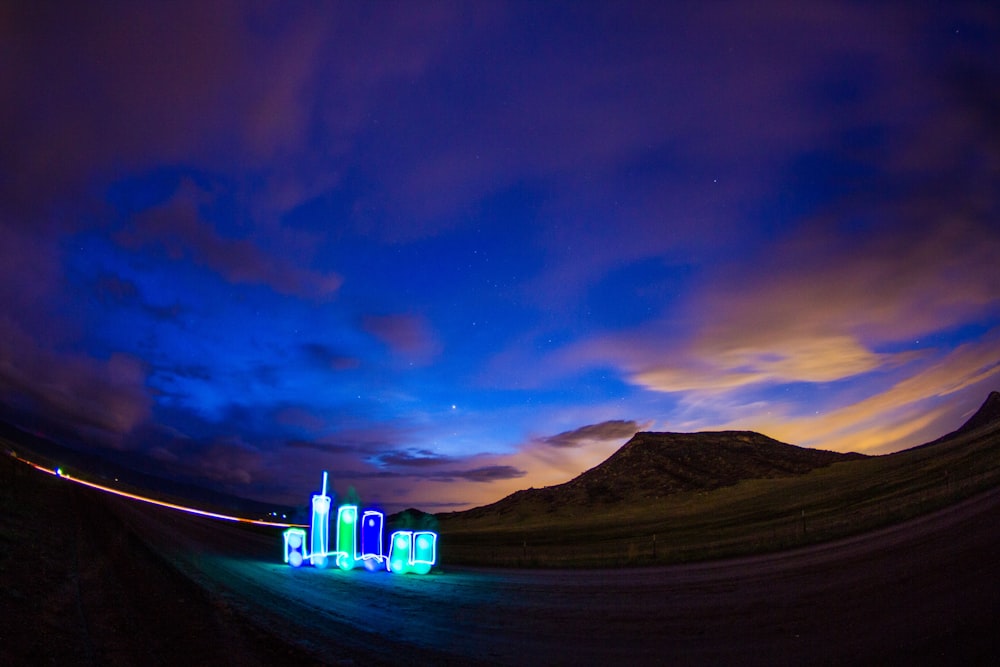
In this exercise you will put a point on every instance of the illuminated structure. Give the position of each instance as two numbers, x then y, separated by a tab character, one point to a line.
371	539
411	551
320	527
347	536
295	546
359	542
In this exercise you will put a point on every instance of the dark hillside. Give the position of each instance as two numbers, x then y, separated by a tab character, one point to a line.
988	413
654	465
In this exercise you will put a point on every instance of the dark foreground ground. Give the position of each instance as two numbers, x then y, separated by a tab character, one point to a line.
87	579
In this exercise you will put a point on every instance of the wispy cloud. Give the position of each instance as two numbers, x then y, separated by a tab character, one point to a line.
483	474
615	429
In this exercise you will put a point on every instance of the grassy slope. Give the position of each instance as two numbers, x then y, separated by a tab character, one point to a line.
750	517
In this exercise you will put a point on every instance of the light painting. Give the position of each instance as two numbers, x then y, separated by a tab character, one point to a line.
359	541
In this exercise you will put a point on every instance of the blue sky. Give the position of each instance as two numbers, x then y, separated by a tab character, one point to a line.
448	250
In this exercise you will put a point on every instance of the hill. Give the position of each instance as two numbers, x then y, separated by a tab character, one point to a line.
988	414
655	465
670	497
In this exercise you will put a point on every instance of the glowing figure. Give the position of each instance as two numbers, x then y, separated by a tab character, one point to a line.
320	528
295	546
423	554
371	538
347	537
411	551
400	549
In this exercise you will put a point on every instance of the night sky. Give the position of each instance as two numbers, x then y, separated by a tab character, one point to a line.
451	250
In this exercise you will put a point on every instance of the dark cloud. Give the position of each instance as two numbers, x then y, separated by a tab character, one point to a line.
326	447
615	429
328	357
409	458
178	229
300	417
115	289
106	398
189	371
408	336
491	473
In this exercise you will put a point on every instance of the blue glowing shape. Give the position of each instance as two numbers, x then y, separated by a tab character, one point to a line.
320	527
295	544
371	536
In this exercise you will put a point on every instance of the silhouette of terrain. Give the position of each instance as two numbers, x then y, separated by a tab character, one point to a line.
655	465
987	415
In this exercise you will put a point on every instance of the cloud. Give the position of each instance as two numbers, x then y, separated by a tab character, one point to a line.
178	229
229	464
328	357
491	473
615	429
113	290
409	336
917	408
299	417
103	399
412	458
319	446
826	313
745	362
41	372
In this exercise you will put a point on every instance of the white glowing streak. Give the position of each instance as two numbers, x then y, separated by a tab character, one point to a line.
160	503
320	526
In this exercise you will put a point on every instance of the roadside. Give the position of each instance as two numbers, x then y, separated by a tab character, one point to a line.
78	587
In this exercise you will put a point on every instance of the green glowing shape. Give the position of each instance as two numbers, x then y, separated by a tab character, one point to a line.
347	537
399	551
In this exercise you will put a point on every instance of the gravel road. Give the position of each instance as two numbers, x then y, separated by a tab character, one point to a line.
923	592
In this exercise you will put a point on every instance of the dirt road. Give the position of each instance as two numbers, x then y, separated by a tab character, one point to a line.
923	592
90	579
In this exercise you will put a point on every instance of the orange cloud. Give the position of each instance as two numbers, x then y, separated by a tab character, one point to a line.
908	413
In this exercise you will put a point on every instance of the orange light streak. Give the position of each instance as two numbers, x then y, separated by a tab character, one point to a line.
160	503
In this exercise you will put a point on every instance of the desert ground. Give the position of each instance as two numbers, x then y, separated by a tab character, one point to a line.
90	579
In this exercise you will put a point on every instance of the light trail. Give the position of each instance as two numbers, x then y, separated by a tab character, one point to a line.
57	472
